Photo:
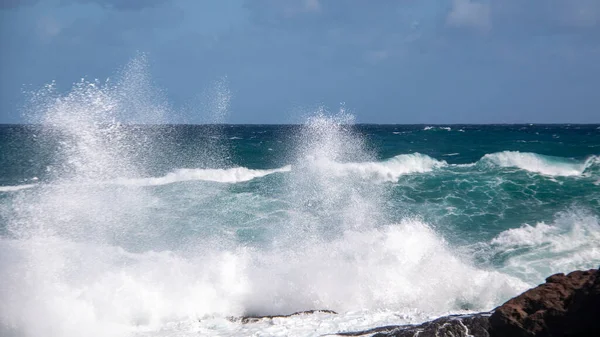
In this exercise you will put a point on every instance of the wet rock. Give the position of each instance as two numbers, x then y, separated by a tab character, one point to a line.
566	305
475	325
254	319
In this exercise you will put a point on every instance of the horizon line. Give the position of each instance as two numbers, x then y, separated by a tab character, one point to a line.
297	124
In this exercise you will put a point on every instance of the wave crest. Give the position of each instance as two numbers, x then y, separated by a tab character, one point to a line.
388	170
537	163
230	175
14	188
570	242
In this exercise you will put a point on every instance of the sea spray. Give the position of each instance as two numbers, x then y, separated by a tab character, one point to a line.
569	242
211	108
111	246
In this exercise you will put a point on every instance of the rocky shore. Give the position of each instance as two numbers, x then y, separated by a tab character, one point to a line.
565	305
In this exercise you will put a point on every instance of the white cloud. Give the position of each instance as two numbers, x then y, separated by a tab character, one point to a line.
471	14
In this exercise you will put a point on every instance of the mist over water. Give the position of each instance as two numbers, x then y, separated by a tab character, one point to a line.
163	230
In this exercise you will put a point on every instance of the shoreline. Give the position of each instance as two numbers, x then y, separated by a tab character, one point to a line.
565	305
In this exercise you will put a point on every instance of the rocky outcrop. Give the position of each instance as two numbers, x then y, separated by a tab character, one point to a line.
450	326
253	319
566	305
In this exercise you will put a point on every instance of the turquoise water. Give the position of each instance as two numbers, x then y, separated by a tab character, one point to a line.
116	229
477	181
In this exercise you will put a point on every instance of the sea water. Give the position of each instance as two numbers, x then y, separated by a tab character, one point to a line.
113	223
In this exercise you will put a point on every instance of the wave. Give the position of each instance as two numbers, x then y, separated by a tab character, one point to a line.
427	128
388	170
16	187
537	163
230	175
406	268
571	241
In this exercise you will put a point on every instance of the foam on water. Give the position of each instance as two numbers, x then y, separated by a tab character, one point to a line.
107	291
383	171
537	163
534	252
427	128
100	250
230	175
378	171
16	187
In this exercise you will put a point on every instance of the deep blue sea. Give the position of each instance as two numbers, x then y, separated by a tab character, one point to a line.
114	229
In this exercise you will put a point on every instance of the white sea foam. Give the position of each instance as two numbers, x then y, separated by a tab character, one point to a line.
97	259
402	272
16	187
230	175
383	171
447	128
570	242
532	162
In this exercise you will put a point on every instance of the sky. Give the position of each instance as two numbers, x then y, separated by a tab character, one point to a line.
386	61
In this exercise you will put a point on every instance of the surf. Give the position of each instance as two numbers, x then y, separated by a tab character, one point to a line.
111	243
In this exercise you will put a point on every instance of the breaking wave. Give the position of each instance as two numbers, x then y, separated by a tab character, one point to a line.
383	171
401	267
230	175
88	252
537	163
16	187
570	242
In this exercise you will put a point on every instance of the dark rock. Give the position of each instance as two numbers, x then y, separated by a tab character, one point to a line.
253	319
566	305
475	325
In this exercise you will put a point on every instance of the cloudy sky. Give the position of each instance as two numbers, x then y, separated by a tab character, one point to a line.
389	61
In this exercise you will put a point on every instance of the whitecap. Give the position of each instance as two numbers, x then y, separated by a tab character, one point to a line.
570	242
383	171
537	163
16	187
230	175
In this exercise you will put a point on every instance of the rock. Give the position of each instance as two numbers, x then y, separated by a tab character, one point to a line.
475	325
254	319
566	305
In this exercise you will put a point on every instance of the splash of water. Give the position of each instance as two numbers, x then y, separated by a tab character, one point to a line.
316	189
115	259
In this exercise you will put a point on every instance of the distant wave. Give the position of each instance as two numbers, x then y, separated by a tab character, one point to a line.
230	175
537	163
427	128
16	188
388	170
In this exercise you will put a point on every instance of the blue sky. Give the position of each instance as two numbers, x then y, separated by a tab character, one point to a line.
389	61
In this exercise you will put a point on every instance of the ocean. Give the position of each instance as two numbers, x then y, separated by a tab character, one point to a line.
111	228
